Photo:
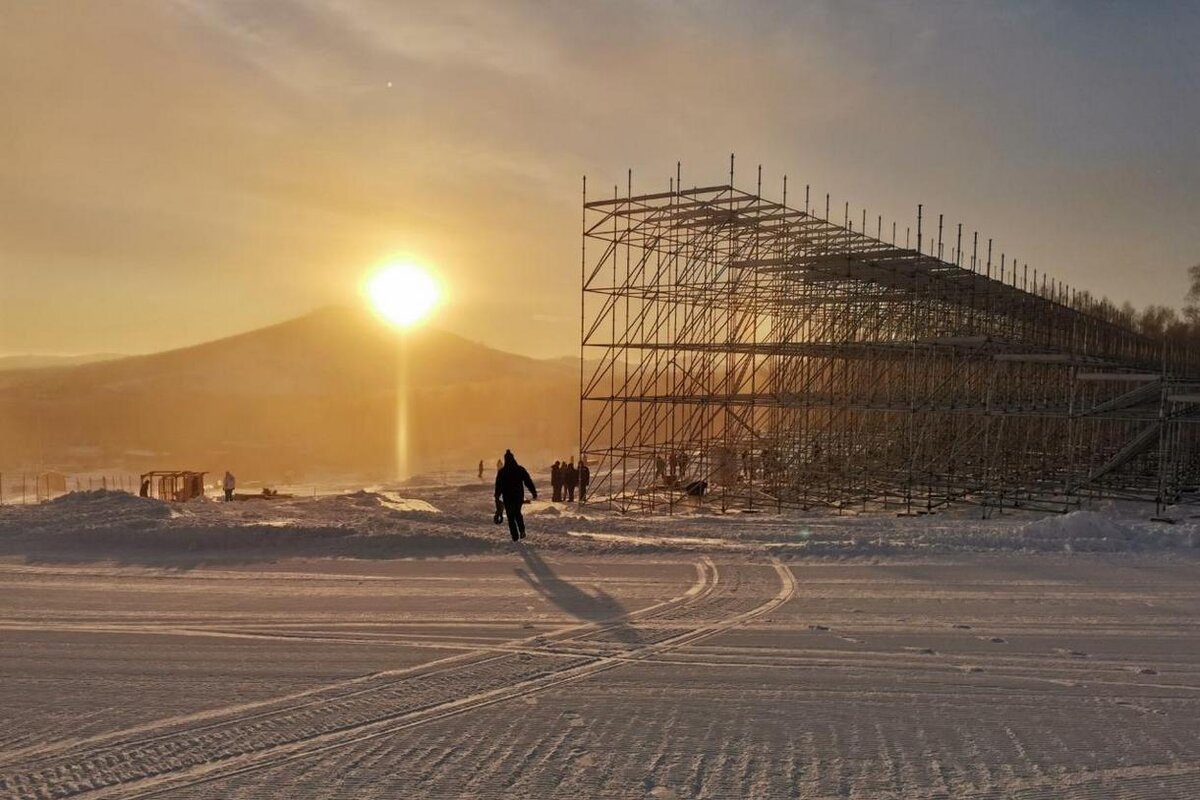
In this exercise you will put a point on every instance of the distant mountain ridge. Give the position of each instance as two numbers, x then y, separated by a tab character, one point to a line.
36	361
313	395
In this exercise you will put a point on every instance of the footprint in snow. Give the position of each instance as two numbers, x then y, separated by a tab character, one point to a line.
961	627
818	627
663	793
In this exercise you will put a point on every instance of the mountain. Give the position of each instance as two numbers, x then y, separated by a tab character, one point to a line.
34	361
311	397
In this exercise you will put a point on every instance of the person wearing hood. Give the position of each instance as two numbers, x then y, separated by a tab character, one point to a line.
511	481
556	482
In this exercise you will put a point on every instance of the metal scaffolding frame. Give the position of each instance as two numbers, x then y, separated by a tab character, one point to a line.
741	353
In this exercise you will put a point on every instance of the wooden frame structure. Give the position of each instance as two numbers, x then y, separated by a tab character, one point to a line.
176	486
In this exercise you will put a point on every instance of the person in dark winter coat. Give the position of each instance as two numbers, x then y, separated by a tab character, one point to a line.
570	480
511	481
585	477
556	482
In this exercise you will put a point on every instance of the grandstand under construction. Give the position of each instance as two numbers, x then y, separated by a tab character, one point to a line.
741	353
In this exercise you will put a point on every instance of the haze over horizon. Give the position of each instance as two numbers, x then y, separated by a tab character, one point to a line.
184	171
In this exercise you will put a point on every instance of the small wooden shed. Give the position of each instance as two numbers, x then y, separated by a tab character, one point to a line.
177	486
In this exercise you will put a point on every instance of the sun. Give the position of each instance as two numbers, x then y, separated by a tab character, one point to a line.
403	293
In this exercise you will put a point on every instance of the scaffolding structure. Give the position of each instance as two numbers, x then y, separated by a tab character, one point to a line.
741	353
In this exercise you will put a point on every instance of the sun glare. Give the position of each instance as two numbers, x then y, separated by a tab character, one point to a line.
402	293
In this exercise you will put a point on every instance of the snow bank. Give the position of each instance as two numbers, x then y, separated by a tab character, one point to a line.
1077	525
1094	531
449	520
101	508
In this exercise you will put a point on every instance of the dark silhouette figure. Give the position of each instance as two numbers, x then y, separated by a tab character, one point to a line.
570	480
556	482
481	469
585	477
144	491
511	480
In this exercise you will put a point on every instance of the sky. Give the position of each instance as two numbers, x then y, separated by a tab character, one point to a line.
174	171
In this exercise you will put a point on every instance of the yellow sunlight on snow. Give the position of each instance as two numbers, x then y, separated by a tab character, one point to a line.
403	293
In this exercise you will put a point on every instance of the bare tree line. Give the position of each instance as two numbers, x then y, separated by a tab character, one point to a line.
1154	321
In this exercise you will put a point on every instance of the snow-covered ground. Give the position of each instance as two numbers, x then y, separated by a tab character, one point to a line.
394	643
441	519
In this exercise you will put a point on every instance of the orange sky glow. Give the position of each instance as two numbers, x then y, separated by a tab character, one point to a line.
175	172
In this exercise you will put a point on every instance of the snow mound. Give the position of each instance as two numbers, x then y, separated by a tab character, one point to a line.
98	509
109	499
406	504
366	500
1078	525
1093	531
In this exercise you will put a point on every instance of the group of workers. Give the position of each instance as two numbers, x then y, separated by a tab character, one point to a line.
565	478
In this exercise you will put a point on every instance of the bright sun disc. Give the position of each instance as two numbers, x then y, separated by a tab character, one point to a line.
403	294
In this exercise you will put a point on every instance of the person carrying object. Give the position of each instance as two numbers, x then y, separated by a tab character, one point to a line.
511	482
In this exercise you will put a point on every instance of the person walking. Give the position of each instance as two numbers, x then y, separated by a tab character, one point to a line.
585	477
511	482
228	484
570	480
556	482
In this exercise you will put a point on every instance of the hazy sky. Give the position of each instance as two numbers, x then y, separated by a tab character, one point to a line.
171	172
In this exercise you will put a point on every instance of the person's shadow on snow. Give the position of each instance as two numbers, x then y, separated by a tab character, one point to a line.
597	607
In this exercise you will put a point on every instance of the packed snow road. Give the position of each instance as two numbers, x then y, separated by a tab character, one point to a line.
528	673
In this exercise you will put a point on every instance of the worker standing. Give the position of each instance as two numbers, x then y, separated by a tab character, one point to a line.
228	484
570	480
585	477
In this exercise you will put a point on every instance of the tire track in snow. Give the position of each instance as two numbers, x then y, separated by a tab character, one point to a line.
216	744
703	585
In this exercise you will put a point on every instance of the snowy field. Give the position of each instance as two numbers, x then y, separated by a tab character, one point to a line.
391	644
